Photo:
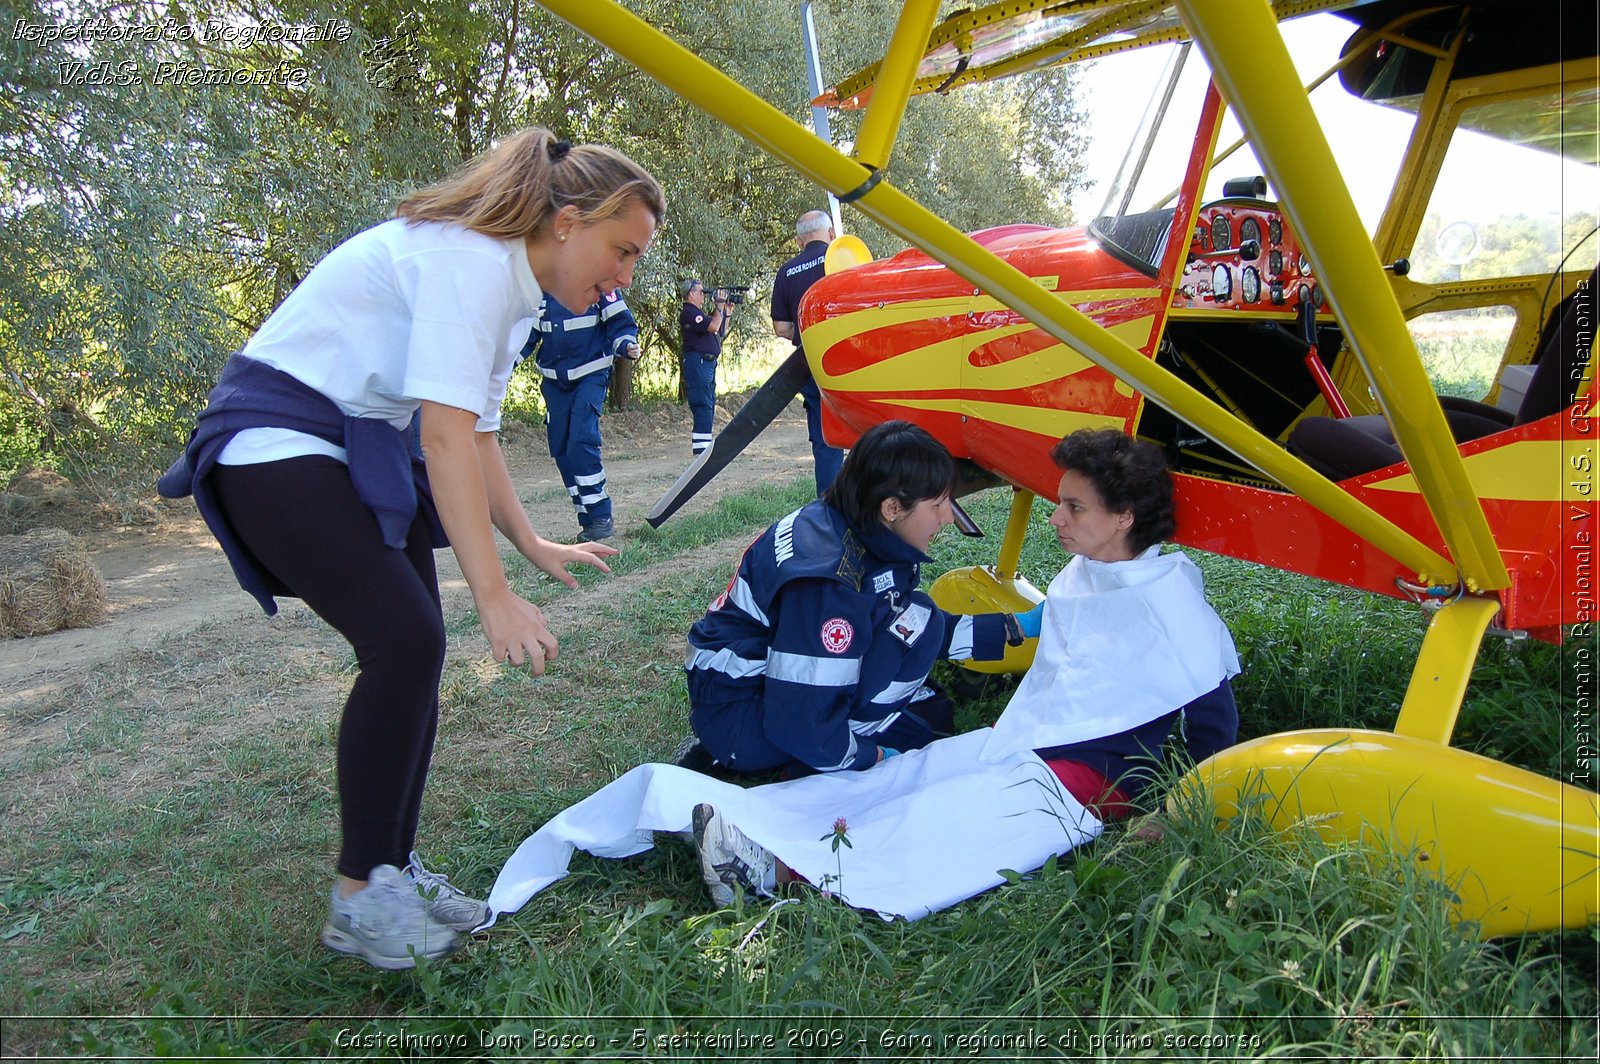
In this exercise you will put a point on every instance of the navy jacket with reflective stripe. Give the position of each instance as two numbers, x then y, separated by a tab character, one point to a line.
575	345
808	627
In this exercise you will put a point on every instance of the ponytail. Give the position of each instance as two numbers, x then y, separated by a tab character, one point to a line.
514	189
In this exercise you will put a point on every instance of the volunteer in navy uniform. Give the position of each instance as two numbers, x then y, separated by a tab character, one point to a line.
813	232
301	466
574	353
702	343
816	657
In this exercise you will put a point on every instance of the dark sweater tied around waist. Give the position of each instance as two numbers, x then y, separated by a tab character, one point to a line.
387	476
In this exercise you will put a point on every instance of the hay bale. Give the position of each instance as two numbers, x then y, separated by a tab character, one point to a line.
41	498
47	583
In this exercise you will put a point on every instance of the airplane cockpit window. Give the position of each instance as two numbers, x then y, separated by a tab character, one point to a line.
1518	193
1462	350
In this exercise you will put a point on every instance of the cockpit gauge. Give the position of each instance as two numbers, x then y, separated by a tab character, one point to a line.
1250	285
1249	230
1221	232
1221	283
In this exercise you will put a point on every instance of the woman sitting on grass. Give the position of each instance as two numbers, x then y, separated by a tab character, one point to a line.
816	657
1127	635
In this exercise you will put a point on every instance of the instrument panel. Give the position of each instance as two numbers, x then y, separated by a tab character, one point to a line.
1243	257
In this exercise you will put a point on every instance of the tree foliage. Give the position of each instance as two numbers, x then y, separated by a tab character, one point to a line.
167	177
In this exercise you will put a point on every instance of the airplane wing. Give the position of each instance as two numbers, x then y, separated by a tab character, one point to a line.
1015	36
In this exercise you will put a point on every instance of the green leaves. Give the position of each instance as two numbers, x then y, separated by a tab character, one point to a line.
149	229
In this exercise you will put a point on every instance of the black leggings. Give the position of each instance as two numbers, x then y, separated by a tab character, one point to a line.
302	520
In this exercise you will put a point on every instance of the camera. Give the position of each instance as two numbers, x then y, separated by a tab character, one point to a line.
732	294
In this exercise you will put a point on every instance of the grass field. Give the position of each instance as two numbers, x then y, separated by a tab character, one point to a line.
161	883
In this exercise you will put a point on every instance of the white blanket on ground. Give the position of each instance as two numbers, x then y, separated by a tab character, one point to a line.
928	828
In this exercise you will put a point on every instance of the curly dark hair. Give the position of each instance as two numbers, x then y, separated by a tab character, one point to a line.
893	459
1130	475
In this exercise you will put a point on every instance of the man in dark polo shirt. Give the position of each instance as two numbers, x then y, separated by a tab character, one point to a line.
813	232
702	343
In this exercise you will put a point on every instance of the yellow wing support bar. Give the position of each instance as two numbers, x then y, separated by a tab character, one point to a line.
725	99
1252	66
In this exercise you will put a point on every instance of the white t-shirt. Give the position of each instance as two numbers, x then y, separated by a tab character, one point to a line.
395	315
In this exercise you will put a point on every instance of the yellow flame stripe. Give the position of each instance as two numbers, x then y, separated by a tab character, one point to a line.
943	365
1078	299
822	335
1043	420
1526	471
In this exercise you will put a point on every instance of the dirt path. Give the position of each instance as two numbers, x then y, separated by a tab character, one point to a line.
169	579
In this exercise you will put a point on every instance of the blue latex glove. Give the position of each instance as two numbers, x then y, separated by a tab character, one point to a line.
887	752
1032	621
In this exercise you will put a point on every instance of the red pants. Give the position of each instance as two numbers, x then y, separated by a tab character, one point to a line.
1097	793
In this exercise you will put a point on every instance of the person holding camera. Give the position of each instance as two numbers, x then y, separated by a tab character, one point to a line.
574	356
812	232
702	343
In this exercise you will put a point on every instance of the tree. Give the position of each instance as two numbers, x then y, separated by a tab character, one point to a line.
169	172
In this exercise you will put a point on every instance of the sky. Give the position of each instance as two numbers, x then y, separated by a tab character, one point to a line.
1117	91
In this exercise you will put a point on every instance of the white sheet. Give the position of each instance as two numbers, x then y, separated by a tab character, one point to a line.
1121	644
928	828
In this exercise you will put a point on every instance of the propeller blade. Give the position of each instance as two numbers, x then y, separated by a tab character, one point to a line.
756	414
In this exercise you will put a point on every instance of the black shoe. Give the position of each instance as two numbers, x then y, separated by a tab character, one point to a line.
692	755
600	529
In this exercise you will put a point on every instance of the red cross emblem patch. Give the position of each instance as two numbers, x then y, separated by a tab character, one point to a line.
836	635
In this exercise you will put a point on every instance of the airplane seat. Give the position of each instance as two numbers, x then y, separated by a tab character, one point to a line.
1340	448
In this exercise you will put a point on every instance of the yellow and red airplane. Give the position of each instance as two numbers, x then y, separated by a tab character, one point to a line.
1264	343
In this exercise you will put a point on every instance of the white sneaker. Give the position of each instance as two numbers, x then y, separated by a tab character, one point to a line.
730	862
447	903
386	923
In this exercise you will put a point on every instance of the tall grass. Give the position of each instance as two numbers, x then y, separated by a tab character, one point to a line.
1462	349
169	894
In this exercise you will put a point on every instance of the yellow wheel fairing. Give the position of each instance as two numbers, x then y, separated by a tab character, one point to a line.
981	589
1519	851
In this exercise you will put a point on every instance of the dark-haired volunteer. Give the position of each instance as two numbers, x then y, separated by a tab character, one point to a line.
816	657
702	343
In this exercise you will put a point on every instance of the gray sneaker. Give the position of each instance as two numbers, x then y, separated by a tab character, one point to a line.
447	903
386	924
730	862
